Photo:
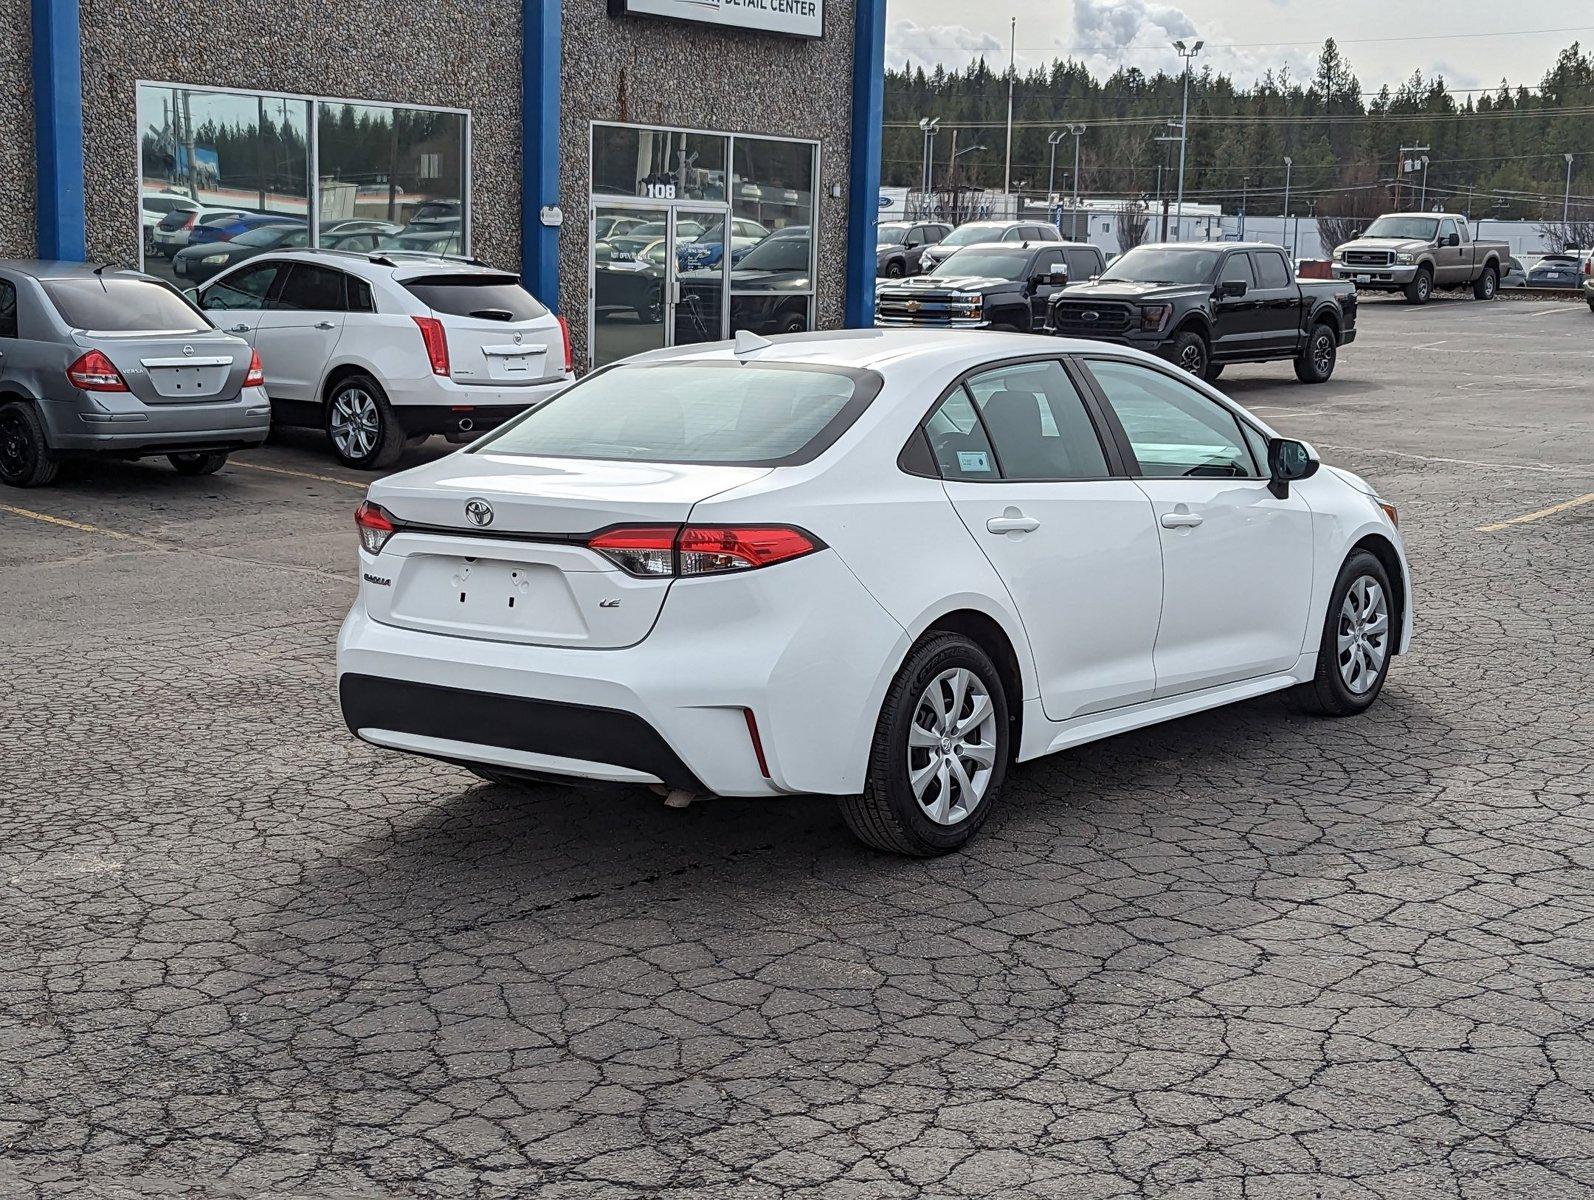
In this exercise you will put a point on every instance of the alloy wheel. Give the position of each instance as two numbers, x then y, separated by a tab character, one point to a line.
356	424
1193	358
1363	634
16	449
952	746
1323	353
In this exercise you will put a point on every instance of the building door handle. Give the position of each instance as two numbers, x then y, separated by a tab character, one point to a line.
1012	521
1181	518
325	325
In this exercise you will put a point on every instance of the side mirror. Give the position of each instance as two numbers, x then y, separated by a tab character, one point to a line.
1057	279
1232	288
1288	461
1451	239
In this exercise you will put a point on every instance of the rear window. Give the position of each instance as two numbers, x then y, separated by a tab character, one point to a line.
111	305
493	297
716	413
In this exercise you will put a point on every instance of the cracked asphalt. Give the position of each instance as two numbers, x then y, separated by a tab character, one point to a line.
1248	954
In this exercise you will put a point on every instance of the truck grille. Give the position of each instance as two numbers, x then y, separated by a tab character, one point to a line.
1368	258
921	308
1086	318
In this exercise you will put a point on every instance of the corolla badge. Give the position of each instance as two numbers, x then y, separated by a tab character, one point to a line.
478	511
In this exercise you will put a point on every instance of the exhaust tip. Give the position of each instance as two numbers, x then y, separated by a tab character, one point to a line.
466	424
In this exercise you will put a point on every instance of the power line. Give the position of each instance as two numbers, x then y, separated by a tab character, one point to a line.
1367	41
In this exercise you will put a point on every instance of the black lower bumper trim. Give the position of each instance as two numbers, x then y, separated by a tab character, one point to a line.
600	735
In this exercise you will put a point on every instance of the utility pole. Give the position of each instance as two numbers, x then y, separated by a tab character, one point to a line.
1012	74
1052	139
1073	227
1184	119
1401	162
1422	195
1288	163
1566	203
928	126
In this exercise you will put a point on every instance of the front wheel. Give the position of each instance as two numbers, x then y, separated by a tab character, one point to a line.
198	462
1485	285
894	269
1316	362
1213	371
940	752
1420	287
1358	639
360	424
25	458
1190	352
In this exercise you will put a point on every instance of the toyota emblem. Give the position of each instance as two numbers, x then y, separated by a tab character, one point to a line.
478	511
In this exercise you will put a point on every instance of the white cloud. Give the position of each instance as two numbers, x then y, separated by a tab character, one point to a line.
926	45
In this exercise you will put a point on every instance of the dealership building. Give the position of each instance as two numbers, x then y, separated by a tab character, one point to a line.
658	171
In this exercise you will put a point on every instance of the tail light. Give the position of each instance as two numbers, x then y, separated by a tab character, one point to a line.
375	524
652	551
436	343
256	376
93	372
570	359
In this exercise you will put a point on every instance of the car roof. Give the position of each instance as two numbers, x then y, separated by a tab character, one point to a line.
1026	244
48	268
869	349
404	264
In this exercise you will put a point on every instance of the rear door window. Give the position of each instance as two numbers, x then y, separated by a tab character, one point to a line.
8	309
1270	270
489	297
1237	269
959	442
1037	423
310	288
108	304
359	295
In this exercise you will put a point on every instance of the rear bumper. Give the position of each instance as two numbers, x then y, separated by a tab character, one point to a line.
122	425
431	404
463	418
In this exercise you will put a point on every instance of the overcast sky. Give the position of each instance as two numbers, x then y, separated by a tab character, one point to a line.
1383	39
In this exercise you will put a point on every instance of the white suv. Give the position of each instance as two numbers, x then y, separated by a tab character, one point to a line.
388	348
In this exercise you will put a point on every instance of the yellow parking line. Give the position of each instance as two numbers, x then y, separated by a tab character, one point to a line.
1543	512
78	525
254	466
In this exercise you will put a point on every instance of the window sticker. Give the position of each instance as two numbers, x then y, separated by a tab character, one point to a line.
973	460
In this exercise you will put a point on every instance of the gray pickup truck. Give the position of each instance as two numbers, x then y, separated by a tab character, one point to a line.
1414	253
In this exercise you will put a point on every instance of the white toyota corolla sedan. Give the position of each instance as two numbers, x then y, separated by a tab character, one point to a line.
879	565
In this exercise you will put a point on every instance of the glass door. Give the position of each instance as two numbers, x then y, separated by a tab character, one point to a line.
631	270
701	259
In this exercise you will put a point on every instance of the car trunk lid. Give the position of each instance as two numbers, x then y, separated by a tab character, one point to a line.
175	369
494	546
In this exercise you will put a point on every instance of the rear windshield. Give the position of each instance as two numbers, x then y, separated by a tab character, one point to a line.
992	263
719	413
112	305
968	235
493	297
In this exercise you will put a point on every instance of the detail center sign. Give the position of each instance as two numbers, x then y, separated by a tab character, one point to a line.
792	18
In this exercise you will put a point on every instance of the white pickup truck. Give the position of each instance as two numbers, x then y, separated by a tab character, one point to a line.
1417	252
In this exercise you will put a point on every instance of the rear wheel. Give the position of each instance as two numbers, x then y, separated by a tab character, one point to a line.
894	269
1358	639
793	323
940	752
1420	287
1485	285
25	458
198	462
1213	371
361	425
1190	352
1316	362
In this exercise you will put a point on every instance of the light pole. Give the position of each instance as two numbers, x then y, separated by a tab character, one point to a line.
1566	203
1012	73
1422	193
1052	139
1288	163
1184	124
1073	223
927	126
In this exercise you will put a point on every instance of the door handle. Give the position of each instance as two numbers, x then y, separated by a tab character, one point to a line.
1012	521
237	329
325	325
1181	520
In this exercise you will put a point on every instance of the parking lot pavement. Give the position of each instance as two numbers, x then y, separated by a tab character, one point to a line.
1245	953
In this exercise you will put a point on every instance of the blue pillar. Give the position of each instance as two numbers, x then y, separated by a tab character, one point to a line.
58	128
863	205
539	90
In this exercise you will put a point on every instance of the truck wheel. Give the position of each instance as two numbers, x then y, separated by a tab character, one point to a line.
1316	363
1213	371
1485	285
1420	287
894	269
25	458
1190	352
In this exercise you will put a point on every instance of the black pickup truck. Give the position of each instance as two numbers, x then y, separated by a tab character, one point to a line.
1204	305
994	285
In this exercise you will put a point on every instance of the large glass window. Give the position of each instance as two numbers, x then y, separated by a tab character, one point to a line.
772	205
217	166
658	164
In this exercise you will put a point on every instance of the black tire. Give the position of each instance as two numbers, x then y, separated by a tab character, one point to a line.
1591	304
887	815
793	323
652	312
1213	371
1328	694
198	462
895	269
1190	351
25	457
379	440
1486	285
1420	287
1316	363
